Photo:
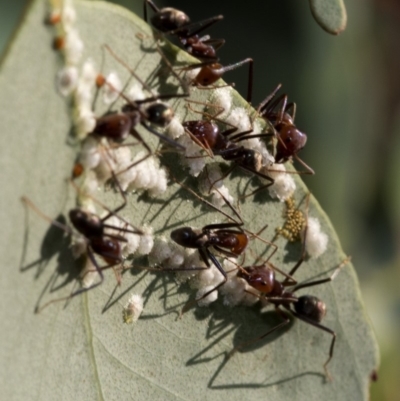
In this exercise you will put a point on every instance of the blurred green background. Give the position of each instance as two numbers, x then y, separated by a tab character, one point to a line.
347	90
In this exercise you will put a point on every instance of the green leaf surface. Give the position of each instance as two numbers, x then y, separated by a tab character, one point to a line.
83	351
330	14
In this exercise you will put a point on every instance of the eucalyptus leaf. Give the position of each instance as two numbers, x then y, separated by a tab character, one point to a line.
330	14
82	350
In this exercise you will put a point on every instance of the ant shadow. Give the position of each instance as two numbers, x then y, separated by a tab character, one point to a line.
241	323
55	243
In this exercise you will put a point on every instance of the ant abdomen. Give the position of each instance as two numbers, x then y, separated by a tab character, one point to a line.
259	277
310	307
209	74
291	141
169	19
205	131
235	242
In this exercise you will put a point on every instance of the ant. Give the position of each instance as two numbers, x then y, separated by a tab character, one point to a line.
281	114
172	21
92	228
208	135
175	22
118	126
229	239
307	308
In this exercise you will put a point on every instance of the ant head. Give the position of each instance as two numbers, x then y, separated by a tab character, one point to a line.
310	307
209	74
159	114
86	223
185	236
291	141
169	19
261	278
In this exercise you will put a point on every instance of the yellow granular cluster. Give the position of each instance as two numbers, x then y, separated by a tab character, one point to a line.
295	222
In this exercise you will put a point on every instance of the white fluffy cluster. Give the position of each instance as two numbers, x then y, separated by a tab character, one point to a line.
221	102
190	75
212	183
141	244
169	255
316	240
194	156
283	186
133	173
112	88
175	128
89	274
133	309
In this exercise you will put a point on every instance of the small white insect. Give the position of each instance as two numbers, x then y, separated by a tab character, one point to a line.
133	309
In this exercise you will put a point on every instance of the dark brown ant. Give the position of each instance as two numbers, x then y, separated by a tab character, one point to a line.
175	22
117	126
208	135
98	241
281	115
229	239
307	308
172	21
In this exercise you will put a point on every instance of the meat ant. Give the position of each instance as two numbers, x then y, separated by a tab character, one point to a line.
281	114
307	308
97	240
229	239
117	126
208	135
175	22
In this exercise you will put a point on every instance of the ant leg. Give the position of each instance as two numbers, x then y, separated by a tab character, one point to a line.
221	270
308	170
81	290
163	137
152	5
27	202
273	105
204	24
291	110
206	202
265	103
326	329
325	280
277	327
